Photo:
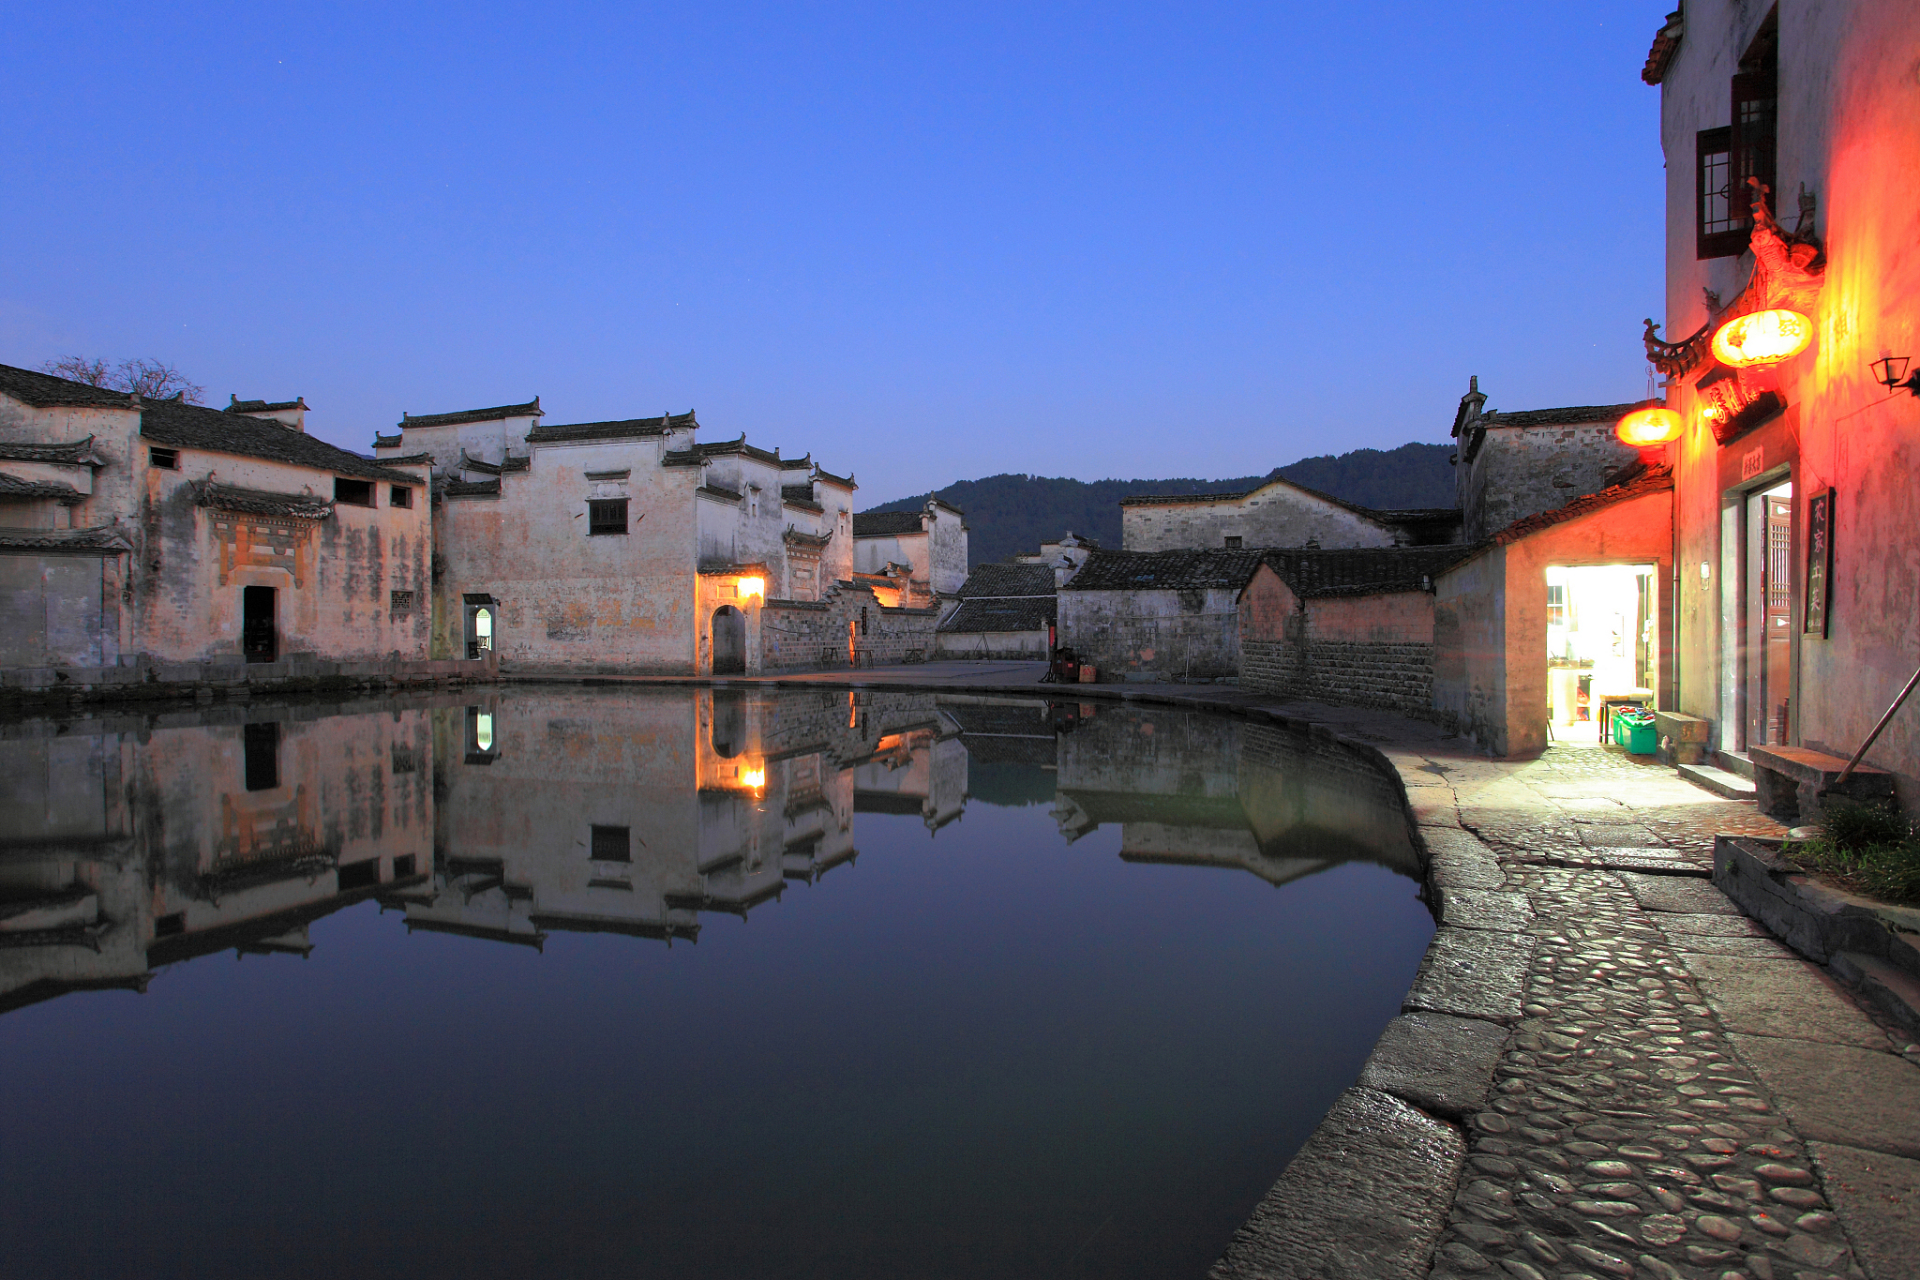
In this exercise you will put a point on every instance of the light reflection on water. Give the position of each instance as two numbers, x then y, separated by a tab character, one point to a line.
949	985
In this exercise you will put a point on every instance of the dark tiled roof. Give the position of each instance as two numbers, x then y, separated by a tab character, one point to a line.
473	488
1666	43
803	504
408	460
884	524
802	463
740	447
1018	613
192	426
260	502
1570	415
942	502
43	390
1422	515
796	493
622	429
63	540
801	538
683	458
78	453
1362	571
13	487
715	491
498	413
1165	570
845	482
1008	580
489	469
236	405
393	441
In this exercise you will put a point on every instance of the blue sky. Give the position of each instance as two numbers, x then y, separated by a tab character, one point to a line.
927	242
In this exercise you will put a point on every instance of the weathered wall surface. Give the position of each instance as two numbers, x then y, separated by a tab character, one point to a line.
1351	650
991	644
849	627
1154	635
567	597
59	609
1275	515
1519	471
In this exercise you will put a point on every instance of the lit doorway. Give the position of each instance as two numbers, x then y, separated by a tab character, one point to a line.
729	641
1601	645
1767	622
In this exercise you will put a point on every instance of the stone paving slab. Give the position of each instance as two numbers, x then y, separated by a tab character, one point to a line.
1878	1198
1457	859
1441	1064
1493	909
1364	1198
1472	973
1709	923
1835	1093
1675	894
1782	998
1643	860
1709	944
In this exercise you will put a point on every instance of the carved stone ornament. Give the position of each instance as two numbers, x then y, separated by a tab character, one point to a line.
1787	272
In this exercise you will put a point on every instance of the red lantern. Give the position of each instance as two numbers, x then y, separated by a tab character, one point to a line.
1645	428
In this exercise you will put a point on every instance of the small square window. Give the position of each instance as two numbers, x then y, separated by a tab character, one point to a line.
354	493
402	601
400	496
1233	542
165	459
607	515
613	844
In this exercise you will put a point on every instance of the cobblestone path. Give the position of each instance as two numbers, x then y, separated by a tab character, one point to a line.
1626	1134
1625	1137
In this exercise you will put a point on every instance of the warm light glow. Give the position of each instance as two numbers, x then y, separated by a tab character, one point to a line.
1646	427
1710	411
755	778
1765	337
753	587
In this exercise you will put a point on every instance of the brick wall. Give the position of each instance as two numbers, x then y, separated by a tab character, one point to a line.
1393	677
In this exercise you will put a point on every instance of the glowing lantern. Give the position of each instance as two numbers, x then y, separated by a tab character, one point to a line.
1764	337
755	778
753	587
1644	428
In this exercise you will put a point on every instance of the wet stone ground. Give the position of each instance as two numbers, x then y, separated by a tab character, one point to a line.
1624	1137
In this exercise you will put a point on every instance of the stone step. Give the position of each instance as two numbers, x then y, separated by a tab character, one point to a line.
1735	762
1718	781
1896	992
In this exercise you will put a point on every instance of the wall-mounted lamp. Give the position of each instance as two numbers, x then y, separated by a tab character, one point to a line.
753	587
1891	373
1645	428
1762	337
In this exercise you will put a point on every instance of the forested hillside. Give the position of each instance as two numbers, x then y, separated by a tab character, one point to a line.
1012	513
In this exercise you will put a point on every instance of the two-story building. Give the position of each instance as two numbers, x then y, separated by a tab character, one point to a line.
1792	138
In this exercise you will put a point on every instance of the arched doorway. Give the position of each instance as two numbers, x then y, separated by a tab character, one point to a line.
729	641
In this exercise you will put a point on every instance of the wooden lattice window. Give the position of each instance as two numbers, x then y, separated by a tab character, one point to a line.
607	515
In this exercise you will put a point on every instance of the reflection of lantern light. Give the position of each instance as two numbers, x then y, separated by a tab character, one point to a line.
755	778
1765	337
753	587
483	731
1645	427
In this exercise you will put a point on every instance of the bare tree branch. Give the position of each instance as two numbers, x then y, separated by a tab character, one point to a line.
152	379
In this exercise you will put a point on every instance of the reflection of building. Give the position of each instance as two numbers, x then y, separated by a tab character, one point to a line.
1213	791
124	850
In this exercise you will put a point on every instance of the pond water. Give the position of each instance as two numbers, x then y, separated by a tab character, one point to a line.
682	982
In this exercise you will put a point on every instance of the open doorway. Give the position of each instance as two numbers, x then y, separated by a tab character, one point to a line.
1601	650
259	634
729	641
1768	673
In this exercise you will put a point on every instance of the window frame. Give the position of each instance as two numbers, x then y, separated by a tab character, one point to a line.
600	527
1717	237
400	495
163	459
347	497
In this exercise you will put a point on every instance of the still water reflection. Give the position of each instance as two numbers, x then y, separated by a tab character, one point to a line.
677	983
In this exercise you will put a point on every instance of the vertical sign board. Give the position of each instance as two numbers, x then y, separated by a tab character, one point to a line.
1819	560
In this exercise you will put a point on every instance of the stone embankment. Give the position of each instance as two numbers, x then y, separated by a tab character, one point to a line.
38	689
